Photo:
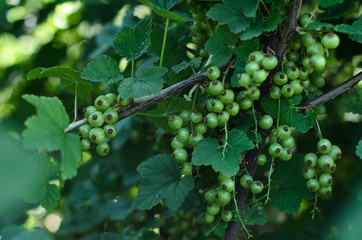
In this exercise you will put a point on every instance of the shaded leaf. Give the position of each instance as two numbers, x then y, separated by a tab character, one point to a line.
260	26
352	101
162	7
253	215
195	63
359	149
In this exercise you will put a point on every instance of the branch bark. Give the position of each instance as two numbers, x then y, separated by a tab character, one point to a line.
233	231
334	92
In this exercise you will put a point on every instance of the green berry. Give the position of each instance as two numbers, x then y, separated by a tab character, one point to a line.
223	117
275	92
213	73
283	131
180	155
311	159
200	128
335	152
288	142
223	198
182	135
244	79
308	172
254	94
287	91
325	180
233	108
196	116
85	143
313	185
256	56
318	63
112	98
257	187
330	40
227	96
222	176
194	138
110	116
246	103
297	86
275	150
280	78
286	154
215	88
185	115
211	120
325	162
227	185
246	180
176	144
307	39
212	208
102	149
186	168
208	218
269	63
266	122
123	102
175	122
96	135
102	103
325	191
261	159
226	216
251	67
210	196
292	73
88	111
324	146
260	76
110	131
96	119
315	49
84	130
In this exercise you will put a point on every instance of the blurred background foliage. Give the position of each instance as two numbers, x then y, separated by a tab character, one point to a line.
45	33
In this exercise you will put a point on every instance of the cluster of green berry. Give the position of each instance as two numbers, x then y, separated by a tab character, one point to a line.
282	143
101	118
217	198
256	72
305	63
200	32
326	165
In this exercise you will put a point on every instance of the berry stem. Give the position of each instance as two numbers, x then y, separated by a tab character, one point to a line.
315	208
239	216
150	115
256	126
318	129
227	70
225	142
164	41
75	103
132	70
262	2
272	160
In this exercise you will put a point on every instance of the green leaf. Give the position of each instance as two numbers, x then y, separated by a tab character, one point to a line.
338	10
21	233
147	81
357	26
352	101
69	78
161	8
318	25
242	53
260	26
166	108
209	152
195	63
290	186
220	45
162	181
39	188
132	43
45	132
329	3
103	69
304	123
234	13
359	149
253	215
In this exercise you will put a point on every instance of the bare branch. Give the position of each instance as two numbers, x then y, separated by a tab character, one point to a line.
334	92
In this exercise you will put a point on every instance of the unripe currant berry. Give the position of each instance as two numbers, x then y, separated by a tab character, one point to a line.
303	73
280	78
85	143
324	146
286	155
123	101
110	131
292	73
325	180
210	195
84	130
211	120
283	131
311	159
226	216
194	138
200	128
180	155
215	88
288	142
102	149
227	185
256	56
261	159
112	98
275	150
212	208
182	135
227	96
266	122
325	162
260	76
217	105
185	115
254	93
233	108
308	172
223	117
330	40
287	90
213	73
196	116
110	116
96	119
102	103
176	144
251	67
96	135
222	176
186	168
325	191
257	187
244	79
208	218
313	185
297	86
275	92
335	152
246	103
223	198
246	180
269	63
88	111
175	122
